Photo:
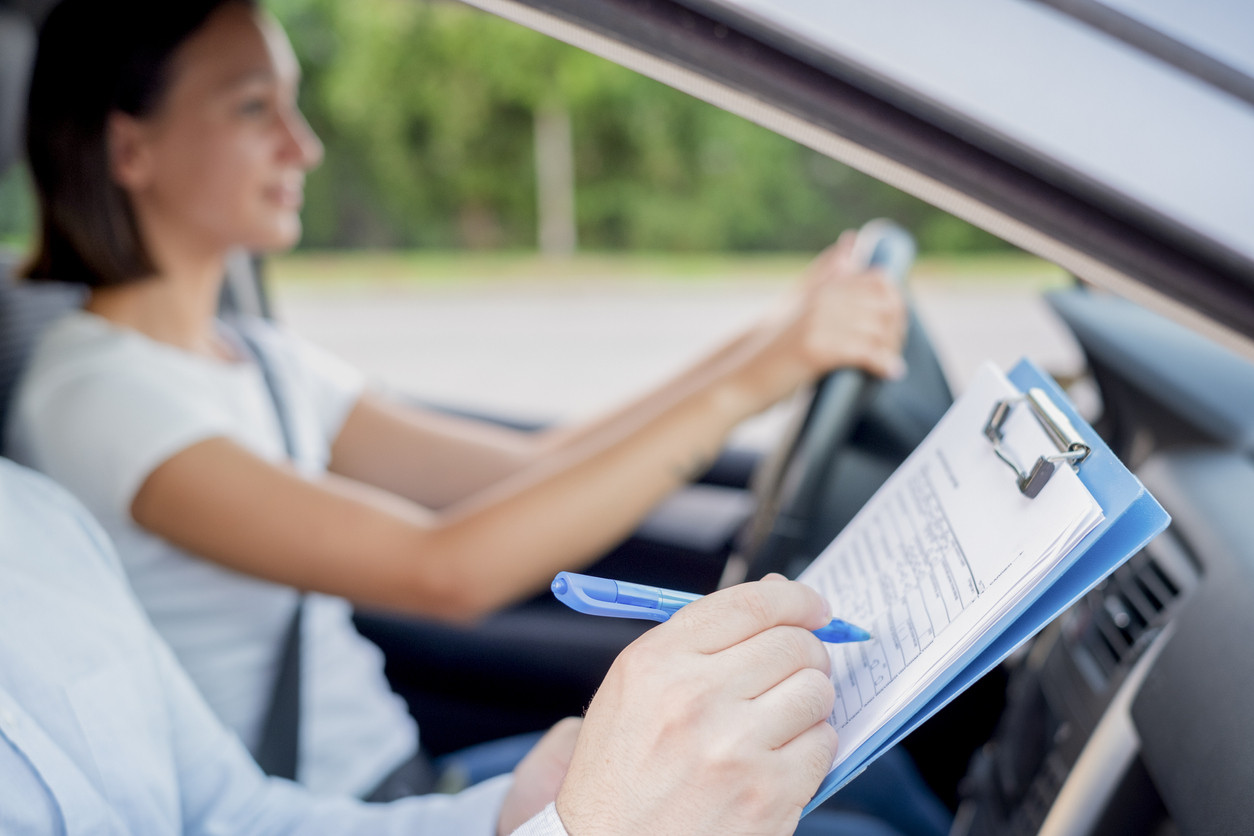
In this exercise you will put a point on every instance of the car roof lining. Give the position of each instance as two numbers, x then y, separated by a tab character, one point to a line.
1160	45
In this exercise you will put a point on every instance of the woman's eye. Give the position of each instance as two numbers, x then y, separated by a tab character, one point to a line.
253	107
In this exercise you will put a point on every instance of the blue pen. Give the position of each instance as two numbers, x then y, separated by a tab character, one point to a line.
602	596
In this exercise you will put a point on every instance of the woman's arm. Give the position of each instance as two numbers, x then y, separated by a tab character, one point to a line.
436	459
560	511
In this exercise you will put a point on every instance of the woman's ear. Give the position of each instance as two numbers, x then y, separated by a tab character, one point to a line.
130	163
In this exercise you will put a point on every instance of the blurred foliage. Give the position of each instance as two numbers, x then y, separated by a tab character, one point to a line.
426	111
17	209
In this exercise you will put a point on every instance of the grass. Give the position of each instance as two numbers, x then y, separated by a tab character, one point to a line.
371	267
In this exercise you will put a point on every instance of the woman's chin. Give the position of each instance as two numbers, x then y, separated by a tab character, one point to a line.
280	238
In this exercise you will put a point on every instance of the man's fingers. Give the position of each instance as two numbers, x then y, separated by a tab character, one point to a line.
793	706
808	756
763	661
729	616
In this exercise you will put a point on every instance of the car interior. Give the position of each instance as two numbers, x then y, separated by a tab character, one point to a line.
1126	715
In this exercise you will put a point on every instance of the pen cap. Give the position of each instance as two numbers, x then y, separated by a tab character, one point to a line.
600	596
598	589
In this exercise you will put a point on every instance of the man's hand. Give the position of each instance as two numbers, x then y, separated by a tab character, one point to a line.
712	723
539	774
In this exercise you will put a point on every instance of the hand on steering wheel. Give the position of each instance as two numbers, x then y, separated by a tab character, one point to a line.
789	485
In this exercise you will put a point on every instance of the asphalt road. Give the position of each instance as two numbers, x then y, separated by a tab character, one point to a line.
560	350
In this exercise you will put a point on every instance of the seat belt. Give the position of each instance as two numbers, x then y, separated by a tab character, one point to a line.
278	753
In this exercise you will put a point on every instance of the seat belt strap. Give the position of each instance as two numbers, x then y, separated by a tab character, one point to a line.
278	753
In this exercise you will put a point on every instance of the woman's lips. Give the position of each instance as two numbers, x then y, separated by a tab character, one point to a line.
287	196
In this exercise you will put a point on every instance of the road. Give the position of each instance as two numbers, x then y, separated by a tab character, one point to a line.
568	349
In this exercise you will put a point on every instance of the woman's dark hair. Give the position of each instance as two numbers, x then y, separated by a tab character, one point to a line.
97	57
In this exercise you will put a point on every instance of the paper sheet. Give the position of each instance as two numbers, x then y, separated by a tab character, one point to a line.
943	550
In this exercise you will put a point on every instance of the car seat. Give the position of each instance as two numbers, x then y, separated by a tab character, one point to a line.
24	309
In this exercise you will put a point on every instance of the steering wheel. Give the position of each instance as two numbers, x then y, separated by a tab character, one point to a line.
789	483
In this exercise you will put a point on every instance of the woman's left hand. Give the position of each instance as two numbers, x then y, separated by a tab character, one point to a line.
850	316
840	316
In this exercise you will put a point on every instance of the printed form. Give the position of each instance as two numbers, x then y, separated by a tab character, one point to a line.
941	553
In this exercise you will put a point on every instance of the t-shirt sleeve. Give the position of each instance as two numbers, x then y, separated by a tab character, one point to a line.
102	434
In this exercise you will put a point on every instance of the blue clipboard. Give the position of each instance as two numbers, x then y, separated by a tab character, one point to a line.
1132	517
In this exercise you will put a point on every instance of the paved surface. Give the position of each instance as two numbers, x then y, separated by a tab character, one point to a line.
549	351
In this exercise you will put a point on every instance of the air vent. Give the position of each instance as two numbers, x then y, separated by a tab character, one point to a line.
1106	626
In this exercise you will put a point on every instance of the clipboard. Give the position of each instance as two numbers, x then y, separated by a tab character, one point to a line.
1131	518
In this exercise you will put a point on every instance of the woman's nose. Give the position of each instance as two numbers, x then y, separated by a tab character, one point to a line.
301	143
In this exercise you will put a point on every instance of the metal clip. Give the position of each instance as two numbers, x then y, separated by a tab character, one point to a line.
1072	448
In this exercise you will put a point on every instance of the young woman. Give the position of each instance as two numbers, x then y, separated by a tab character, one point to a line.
164	136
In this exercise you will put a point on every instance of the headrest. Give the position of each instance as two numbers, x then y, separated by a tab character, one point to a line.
17	53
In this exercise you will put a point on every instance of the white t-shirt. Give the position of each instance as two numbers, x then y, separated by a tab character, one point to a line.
98	409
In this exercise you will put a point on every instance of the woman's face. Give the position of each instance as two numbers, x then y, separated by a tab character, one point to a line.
222	162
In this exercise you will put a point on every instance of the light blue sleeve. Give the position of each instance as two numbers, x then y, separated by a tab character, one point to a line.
100	726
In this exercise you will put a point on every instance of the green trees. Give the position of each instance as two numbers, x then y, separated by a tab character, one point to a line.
16	209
